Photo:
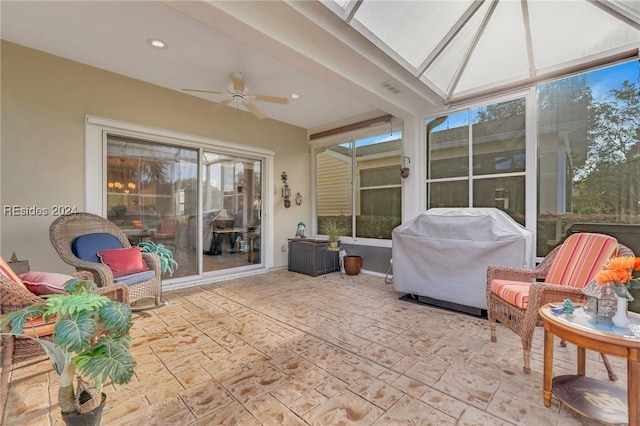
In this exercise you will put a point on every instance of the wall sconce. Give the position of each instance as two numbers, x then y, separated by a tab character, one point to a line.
286	191
241	184
404	171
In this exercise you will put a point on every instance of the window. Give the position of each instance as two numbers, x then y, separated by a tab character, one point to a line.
588	151
588	155
476	158
358	183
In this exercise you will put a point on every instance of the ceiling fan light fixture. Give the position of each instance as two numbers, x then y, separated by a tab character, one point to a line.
238	92
294	96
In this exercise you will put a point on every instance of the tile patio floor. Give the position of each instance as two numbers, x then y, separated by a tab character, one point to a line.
287	349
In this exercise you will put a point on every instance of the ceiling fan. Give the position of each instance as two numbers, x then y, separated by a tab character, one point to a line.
238	91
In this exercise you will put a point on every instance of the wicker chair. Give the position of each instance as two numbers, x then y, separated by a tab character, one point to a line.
514	296
166	232
14	297
64	231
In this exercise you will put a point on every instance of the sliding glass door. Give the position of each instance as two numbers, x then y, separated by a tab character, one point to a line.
210	219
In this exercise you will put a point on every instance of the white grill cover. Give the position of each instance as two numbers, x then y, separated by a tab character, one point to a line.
443	253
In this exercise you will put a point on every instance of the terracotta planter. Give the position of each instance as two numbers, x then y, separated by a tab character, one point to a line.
352	264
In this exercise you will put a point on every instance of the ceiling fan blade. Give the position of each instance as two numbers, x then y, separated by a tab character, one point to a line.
223	103
238	82
274	99
254	109
205	91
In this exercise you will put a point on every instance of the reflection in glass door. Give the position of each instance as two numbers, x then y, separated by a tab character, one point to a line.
232	206
152	193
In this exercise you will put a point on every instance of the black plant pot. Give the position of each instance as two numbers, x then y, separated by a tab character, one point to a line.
92	418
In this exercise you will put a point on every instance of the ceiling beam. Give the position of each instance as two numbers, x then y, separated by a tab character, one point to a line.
526	21
449	36
476	38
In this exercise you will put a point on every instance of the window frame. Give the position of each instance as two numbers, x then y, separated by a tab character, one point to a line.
352	137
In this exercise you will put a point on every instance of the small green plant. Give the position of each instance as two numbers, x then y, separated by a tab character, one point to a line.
333	229
167	263
90	339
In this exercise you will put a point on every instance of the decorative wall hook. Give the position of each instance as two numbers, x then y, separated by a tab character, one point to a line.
404	171
286	191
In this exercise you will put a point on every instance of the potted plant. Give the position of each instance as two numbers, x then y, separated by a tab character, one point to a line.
90	341
333	229
167	263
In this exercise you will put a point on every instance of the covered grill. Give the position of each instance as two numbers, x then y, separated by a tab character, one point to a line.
442	255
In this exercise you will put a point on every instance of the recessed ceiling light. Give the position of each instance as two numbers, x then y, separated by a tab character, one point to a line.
157	43
294	96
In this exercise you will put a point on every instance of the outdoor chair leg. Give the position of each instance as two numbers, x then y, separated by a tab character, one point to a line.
612	376
607	364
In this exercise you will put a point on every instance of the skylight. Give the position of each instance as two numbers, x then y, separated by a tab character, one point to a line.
465	48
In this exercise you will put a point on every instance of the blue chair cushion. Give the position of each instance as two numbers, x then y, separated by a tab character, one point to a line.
86	247
136	278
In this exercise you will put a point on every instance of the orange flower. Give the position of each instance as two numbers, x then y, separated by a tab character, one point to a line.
607	276
618	270
626	262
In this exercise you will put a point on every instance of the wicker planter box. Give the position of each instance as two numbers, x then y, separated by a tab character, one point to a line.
312	257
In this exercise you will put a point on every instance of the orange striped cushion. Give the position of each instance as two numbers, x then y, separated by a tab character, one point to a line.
513	292
6	270
38	328
580	258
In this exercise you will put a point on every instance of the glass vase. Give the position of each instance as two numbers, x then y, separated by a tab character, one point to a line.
620	318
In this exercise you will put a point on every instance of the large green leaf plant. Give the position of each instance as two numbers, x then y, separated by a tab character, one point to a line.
168	264
90	339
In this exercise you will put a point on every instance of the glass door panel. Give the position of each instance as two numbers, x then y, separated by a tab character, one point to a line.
231	211
151	194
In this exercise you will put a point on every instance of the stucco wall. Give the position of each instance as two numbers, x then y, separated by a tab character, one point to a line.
45	100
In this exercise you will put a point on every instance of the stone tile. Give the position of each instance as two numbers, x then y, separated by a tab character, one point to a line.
376	391
381	354
516	409
471	387
306	402
231	414
255	382
410	386
410	411
205	398
168	412
269	411
344	408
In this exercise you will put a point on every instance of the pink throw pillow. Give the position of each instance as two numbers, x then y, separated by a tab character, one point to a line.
40	283
123	261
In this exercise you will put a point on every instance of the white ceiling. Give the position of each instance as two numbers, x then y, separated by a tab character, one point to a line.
340	71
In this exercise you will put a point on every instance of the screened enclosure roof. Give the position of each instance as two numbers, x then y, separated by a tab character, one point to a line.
462	49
